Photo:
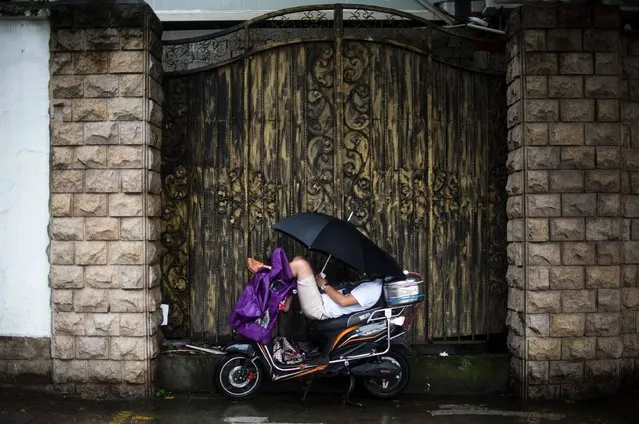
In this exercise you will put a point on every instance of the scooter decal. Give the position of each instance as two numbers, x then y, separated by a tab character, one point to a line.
346	331
359	339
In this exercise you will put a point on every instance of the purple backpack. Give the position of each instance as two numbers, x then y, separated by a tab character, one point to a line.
255	313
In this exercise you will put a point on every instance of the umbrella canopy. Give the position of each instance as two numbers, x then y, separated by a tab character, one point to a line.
341	239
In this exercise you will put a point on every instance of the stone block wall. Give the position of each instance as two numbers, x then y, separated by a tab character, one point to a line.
572	298
106	97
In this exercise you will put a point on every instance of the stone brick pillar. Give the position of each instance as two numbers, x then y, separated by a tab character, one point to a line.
106	117
572	325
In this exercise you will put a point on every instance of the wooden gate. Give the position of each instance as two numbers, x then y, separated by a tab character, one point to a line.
336	109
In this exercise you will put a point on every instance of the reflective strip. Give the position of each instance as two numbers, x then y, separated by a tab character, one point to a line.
412	297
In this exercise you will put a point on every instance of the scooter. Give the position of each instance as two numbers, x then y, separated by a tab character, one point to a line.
370	346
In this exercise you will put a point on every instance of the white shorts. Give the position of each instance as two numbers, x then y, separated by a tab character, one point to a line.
310	298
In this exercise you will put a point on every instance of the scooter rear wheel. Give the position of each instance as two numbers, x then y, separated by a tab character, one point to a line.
389	387
236	377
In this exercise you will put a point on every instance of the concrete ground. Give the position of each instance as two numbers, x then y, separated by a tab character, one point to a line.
22	408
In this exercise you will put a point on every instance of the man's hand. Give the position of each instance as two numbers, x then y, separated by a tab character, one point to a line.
320	281
335	295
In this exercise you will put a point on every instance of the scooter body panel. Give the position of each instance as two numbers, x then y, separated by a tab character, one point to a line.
245	348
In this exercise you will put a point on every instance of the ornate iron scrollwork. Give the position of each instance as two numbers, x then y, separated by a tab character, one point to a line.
175	189
320	127
446	196
185	56
230	196
177	57
357	119
314	23
368	112
262	199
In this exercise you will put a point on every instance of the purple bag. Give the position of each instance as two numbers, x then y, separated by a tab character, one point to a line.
255	313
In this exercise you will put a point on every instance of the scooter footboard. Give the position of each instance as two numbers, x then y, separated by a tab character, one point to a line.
244	348
212	351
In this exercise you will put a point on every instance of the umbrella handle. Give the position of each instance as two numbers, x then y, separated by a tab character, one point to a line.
329	256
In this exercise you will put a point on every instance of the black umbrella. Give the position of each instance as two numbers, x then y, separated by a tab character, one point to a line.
340	239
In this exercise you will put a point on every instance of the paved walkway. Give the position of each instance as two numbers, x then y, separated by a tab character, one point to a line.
22	408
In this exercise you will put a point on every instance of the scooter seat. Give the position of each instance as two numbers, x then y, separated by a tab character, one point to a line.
342	322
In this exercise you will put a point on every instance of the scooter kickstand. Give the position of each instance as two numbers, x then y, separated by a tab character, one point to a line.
351	386
307	385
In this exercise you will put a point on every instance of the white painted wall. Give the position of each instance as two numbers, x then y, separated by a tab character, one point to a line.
24	178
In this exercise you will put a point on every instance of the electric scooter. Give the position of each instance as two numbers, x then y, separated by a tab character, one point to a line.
370	346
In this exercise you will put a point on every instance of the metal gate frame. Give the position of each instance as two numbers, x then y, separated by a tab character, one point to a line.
336	24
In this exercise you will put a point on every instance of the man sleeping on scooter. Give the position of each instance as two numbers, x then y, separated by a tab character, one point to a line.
332	303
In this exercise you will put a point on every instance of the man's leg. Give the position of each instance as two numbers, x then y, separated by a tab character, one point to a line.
309	295
307	290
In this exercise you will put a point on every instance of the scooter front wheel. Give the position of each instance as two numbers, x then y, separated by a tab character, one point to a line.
237	377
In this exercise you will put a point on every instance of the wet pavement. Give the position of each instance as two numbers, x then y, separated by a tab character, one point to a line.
22	408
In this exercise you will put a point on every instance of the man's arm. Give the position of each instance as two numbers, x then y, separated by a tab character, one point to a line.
334	294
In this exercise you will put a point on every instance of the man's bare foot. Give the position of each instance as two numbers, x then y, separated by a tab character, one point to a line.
254	265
